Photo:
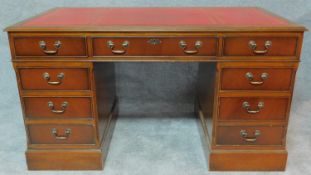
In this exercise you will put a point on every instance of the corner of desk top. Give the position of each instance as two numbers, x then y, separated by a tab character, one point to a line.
294	24
15	27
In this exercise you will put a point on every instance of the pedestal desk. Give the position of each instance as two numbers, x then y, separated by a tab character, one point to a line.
64	63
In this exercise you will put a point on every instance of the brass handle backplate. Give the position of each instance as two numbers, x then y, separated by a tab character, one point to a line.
57	45
61	137
47	77
184	46
64	105
111	45
248	109
246	138
252	45
250	77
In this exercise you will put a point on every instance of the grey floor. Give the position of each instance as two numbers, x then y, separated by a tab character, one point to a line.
165	139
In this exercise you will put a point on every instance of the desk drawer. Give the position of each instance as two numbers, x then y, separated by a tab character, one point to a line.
250	135
50	46
54	78
154	46
259	46
52	107
61	134
253	108
256	78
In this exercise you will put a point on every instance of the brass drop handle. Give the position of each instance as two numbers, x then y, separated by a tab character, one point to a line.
61	137
64	105
184	45
252	45
47	77
111	45
250	77
57	45
246	138
248	109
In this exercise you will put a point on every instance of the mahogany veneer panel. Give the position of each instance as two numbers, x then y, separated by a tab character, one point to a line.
231	108
70	46
248	161
230	135
78	107
65	159
167	46
104	76
239	46
42	134
235	79
74	78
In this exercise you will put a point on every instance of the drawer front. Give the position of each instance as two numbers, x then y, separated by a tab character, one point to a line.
54	78
50	46
61	134
260	46
250	135
157	46
52	107
256	79
253	108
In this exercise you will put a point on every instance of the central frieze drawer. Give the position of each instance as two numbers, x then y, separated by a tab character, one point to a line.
54	78
256	78
253	108
61	134
50	46
53	107
250	135
259	46
154	46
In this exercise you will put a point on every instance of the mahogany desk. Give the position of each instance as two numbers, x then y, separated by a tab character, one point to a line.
64	63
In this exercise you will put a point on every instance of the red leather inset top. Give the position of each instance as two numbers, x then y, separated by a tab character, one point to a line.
219	16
